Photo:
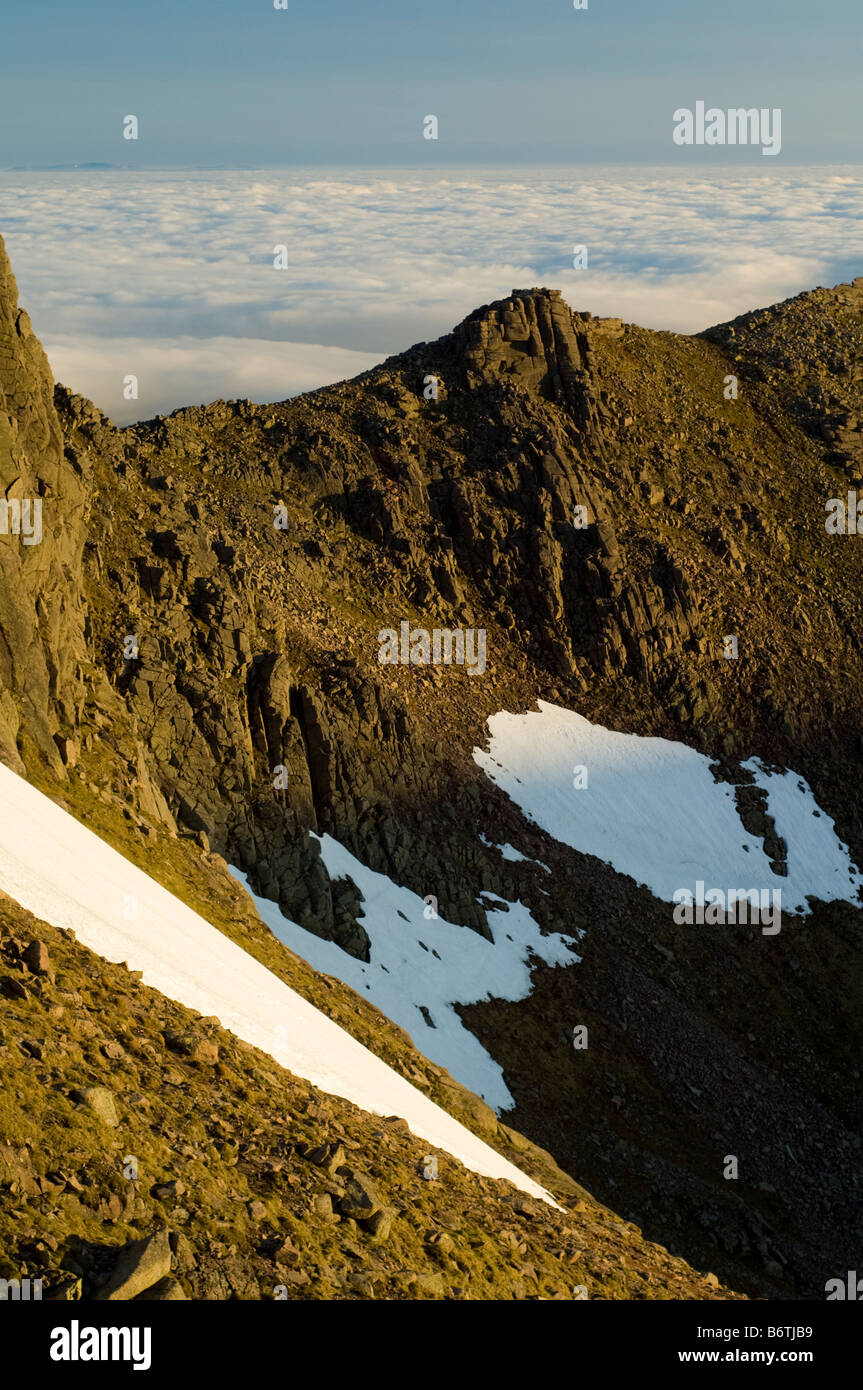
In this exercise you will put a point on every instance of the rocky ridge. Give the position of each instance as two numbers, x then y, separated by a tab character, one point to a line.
255	648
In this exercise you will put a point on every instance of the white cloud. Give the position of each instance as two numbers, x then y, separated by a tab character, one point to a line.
378	261
194	371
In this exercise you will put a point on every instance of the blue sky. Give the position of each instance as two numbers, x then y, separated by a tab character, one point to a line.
236	83
260	127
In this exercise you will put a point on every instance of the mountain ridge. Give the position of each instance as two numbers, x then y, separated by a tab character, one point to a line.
257	649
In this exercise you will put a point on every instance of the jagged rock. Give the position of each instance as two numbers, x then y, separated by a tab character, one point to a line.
141	1265
166	1291
168	1191
380	1224
37	958
440	1243
101	1101
16	1172
329	1156
322	1205
360	1201
182	1251
426	1284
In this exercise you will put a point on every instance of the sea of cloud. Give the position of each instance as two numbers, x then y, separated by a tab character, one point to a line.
169	276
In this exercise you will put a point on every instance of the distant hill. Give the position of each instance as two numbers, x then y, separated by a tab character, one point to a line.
52	168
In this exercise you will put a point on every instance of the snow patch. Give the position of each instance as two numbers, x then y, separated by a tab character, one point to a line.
513	855
64	874
425	963
653	810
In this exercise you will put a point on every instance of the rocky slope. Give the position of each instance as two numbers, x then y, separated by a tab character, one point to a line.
147	1153
205	609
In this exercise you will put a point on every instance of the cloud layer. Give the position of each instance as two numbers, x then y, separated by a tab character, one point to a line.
170	276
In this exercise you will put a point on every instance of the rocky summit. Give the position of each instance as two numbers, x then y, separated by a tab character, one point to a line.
191	663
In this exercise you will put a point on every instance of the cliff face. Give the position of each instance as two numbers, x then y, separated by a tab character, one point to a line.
608	504
41	543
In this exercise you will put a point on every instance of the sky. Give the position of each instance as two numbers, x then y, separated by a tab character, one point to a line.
228	83
304	127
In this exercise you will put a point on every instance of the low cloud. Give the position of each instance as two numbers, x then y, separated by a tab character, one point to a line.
175	270
194	371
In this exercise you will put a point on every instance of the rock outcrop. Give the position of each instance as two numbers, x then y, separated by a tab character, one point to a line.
43	499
